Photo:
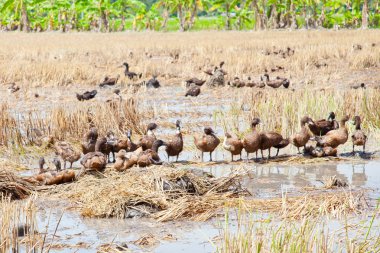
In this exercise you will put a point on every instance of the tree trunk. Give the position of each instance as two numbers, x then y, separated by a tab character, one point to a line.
166	18
25	19
193	15
365	15
181	18
228	18
293	16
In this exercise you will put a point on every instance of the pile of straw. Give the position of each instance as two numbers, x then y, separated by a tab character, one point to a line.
14	186
160	192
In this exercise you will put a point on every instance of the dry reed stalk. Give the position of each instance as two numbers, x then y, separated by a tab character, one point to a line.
160	192
13	186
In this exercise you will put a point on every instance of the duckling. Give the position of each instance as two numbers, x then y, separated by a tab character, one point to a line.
358	138
95	160
232	144
322	127
193	91
175	145
87	95
57	164
269	139
109	81
150	156
146	142
89	140
301	138
153	83
131	75
195	81
107	146
283	144
13	88
66	151
277	83
336	137
208	142
251	141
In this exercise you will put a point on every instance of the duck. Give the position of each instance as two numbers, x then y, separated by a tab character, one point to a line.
358	138
283	144
109	81
129	74
175	145
323	151
232	144
57	164
208	142
277	83
41	163
269	139
301	138
121	160
66	151
107	146
322	127
126	144
146	142
87	95
250	83
336	137
150	156
251	141
261	84
95	160
193	91
89	141
237	83
153	83
358	86
13	88
195	81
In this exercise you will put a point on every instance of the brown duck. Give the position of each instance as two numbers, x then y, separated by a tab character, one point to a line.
277	83
175	145
146	142
126	144
195	81
269	139
236	83
150	156
87	95
283	144
301	138
193	91
336	137
107	146
358	138
89	140
109	81
250	83
131	75
322	127
95	160
208	142
251	141
232	144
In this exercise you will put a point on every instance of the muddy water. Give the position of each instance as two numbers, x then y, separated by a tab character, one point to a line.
184	236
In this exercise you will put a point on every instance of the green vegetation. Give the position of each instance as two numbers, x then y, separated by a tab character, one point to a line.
183	15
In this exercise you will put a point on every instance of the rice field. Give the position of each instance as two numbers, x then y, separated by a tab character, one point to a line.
289	203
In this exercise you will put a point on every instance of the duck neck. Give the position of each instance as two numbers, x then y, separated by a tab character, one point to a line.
150	133
98	146
357	126
155	147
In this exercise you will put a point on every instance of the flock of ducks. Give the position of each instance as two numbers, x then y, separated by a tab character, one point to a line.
327	133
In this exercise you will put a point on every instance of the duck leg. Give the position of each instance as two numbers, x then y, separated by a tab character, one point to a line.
232	157
71	165
364	148
256	153
210	156
353	149
268	153
262	154
278	150
202	155
240	155
176	160
298	148
64	164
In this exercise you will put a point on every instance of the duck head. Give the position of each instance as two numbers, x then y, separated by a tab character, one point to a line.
208	131
178	126
331	116
255	122
306	120
151	127
266	75
157	144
